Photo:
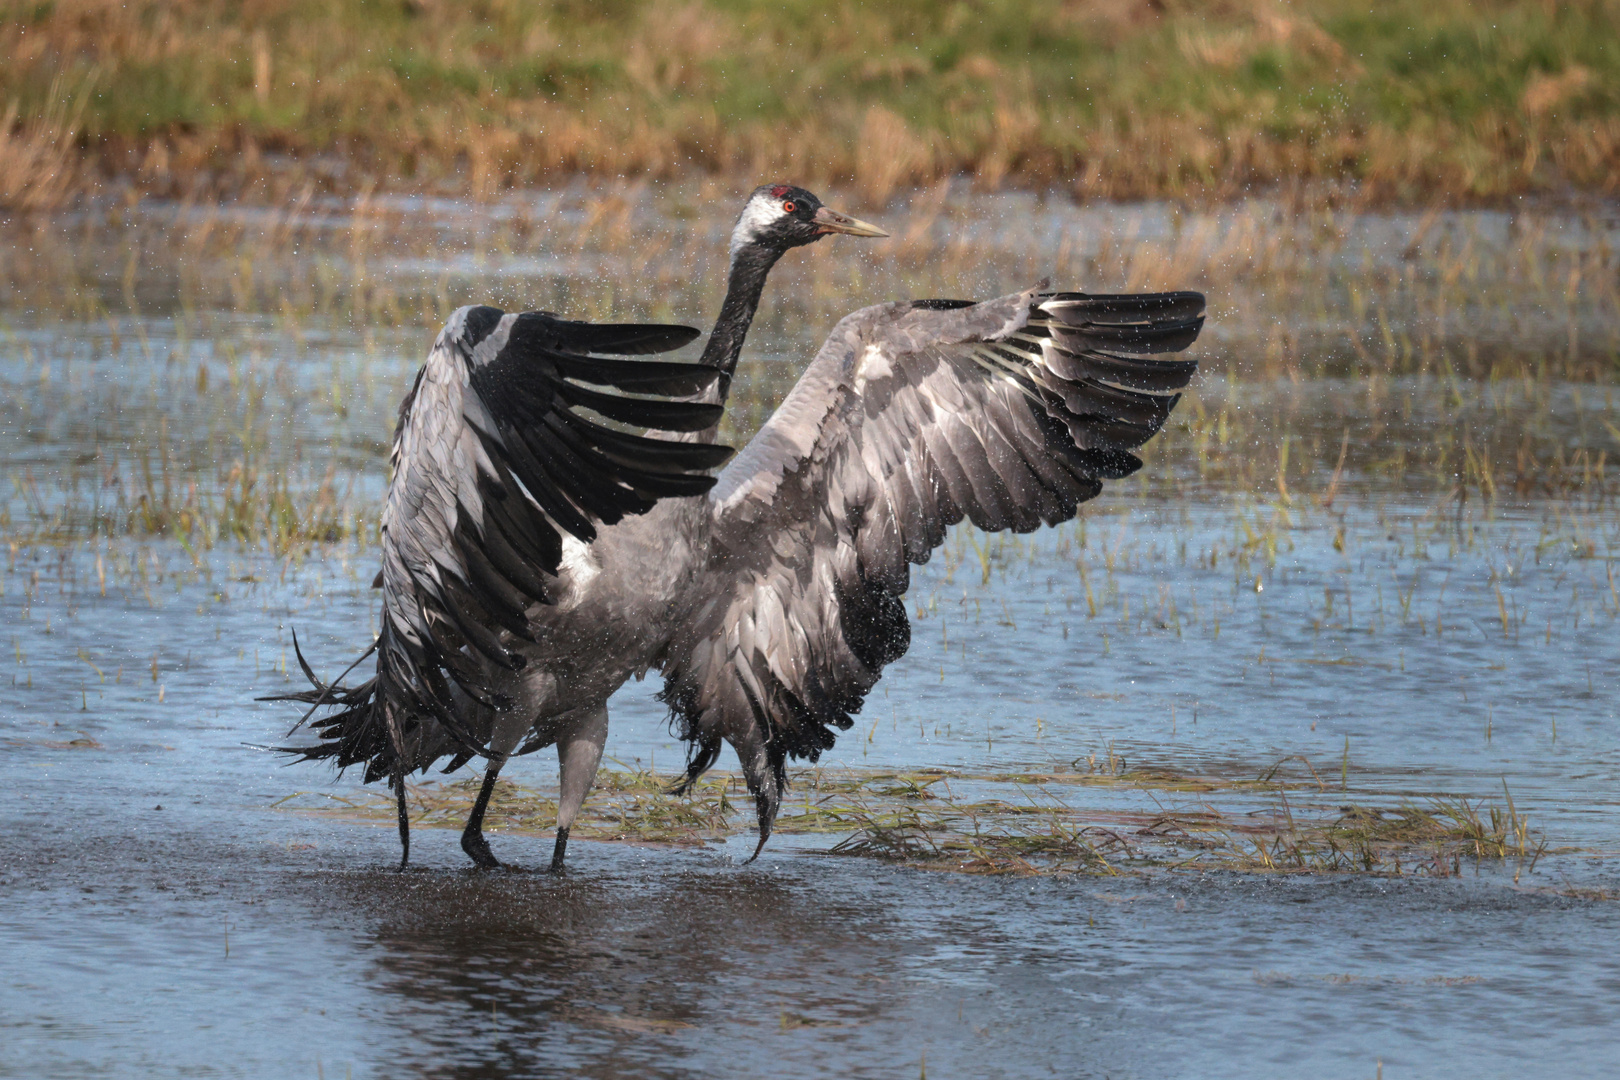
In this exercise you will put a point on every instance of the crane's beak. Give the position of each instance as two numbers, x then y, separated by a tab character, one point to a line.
831	221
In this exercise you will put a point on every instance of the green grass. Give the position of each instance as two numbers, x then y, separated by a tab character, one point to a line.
1437	100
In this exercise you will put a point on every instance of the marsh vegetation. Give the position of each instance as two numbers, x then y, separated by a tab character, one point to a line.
1410	415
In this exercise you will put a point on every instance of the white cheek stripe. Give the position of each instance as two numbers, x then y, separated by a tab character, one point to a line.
760	213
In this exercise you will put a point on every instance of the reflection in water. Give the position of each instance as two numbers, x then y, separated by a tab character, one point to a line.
517	974
146	945
823	967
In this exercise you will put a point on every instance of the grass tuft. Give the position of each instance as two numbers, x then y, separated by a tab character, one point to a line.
1051	826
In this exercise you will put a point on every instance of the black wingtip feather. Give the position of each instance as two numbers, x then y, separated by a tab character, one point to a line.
618	339
1134	339
1131	372
644	412
651	455
1078	308
638	376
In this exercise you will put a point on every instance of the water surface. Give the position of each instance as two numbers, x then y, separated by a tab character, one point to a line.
1415	598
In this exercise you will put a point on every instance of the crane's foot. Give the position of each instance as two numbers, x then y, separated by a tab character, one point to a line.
472	837
477	849
558	852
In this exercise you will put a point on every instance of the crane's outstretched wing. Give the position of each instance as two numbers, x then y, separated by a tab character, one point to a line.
496	458
912	416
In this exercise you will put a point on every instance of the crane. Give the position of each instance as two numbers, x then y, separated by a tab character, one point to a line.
499	633
770	596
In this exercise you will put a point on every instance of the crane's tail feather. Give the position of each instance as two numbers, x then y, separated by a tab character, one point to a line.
323	693
700	758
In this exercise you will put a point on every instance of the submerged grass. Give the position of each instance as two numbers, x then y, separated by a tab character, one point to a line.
242	502
1061	822
230	374
1447	100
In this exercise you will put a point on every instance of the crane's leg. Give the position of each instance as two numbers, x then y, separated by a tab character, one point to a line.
579	752
404	821
509	728
472	837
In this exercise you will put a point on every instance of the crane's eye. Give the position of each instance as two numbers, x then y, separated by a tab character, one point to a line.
788	207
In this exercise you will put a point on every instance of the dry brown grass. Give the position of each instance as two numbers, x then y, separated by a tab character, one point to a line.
1446	100
40	163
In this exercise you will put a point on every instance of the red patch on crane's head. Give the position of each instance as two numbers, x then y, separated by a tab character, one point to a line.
780	190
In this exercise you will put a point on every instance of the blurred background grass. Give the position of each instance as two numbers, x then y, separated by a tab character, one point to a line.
1414	100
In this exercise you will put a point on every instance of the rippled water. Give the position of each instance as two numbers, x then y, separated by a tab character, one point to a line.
1402	631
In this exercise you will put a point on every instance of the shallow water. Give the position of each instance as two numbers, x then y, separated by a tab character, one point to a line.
1398	635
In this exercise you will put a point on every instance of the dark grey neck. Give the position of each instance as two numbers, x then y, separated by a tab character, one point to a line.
749	267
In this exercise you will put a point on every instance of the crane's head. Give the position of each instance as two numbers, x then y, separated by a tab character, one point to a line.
781	216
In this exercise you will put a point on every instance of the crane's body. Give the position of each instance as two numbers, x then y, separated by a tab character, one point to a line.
769	597
618	601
